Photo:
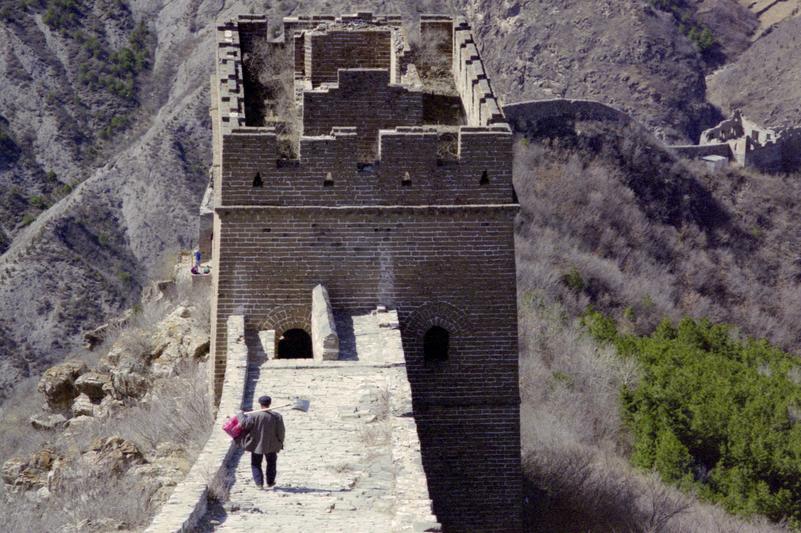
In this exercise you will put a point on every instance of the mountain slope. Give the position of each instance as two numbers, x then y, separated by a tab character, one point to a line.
623	53
765	81
611	219
87	256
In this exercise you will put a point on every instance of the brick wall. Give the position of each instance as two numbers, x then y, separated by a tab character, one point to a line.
695	151
327	52
249	151
448	266
429	237
472	83
365	100
471	455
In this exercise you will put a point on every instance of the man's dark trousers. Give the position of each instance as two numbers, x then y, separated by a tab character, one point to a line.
255	467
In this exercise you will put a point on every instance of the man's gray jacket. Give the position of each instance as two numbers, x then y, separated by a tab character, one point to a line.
264	432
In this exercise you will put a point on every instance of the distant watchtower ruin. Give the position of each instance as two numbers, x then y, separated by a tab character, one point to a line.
378	165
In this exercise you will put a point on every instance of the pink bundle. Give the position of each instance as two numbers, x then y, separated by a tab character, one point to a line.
232	427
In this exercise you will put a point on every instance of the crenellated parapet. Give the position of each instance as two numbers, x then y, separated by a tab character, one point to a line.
368	127
471	79
409	169
228	78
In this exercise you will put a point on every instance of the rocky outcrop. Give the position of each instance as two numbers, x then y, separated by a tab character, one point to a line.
32	473
47	421
176	339
114	454
158	291
83	406
107	423
92	384
75	394
126	383
96	336
58	384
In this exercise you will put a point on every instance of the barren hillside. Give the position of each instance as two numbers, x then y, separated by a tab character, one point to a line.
624	53
765	82
86	255
772	12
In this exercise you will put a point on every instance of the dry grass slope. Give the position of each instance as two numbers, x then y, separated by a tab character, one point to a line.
168	427
611	220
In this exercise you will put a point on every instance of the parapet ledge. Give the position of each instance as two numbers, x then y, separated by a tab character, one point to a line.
394	143
362	18
472	83
348	78
435	17
187	504
229	76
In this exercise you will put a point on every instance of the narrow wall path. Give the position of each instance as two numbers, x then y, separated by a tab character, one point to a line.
351	463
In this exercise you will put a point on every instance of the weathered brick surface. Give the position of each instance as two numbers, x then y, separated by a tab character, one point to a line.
409	259
247	153
428	237
471	455
365	100
327	52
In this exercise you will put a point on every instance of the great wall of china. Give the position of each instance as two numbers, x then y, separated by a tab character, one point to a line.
360	235
737	140
360	228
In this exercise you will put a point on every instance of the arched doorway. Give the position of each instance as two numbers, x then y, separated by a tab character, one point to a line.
436	342
294	344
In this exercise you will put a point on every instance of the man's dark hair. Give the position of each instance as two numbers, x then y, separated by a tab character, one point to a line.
265	401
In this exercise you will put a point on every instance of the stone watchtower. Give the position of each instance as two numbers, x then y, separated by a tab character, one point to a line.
378	165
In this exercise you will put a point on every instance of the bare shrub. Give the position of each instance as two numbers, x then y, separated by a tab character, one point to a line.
97	495
198	297
270	71
596	491
569	382
87	499
135	336
619	220
657	237
17	438
177	409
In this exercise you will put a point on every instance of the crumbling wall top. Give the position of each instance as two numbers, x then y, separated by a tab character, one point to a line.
366	42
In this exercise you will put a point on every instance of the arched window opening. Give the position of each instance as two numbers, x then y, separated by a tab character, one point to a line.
407	180
435	345
257	182
328	181
295	344
484	178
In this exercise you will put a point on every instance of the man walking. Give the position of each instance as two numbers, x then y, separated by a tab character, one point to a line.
264	439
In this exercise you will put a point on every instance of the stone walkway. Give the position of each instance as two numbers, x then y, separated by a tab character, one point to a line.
348	462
